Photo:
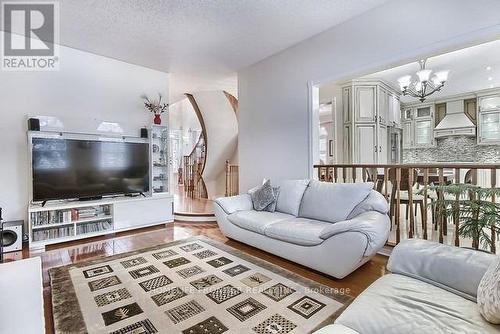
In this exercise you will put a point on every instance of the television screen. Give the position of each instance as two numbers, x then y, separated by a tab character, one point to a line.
73	168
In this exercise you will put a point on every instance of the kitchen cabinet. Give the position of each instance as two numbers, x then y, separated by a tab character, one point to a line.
487	103
394	110
366	148
346	104
489	129
370	109
423	132
488	119
347	140
440	113
365	104
383	153
418	126
470	109
407	134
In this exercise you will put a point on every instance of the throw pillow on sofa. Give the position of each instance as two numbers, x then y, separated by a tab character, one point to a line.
488	293
332	202
262	196
272	207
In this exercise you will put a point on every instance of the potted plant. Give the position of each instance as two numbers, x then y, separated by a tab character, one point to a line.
157	107
477	215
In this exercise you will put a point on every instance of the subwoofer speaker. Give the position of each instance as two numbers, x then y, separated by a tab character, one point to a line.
12	236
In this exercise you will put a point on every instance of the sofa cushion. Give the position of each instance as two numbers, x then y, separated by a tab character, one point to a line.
299	231
290	196
256	221
488	293
396	304
332	202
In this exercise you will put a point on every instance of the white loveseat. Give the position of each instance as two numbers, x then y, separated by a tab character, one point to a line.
332	228
432	289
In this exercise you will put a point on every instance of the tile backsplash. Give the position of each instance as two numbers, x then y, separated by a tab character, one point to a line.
454	149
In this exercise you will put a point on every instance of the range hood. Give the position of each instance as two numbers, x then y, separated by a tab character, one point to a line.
456	122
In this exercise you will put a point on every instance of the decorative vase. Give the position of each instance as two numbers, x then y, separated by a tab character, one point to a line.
157	119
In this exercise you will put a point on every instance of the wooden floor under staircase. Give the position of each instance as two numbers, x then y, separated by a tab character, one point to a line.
193	209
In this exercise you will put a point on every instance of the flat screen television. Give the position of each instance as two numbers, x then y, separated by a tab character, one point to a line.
80	169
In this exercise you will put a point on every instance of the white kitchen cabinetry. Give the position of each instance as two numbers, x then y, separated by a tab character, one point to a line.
369	112
394	110
489	119
366	143
418	126
365	104
407	134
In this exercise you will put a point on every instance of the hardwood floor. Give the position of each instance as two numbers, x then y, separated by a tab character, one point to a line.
82	250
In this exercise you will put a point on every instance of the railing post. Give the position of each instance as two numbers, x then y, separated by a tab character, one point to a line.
410	203
493	172
424	216
398	204
228	177
386	185
456	215
441	217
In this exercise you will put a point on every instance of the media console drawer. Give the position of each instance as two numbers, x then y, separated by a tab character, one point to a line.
144	211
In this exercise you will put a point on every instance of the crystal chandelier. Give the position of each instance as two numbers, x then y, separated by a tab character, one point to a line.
424	85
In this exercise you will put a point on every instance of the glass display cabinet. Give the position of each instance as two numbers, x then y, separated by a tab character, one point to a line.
159	178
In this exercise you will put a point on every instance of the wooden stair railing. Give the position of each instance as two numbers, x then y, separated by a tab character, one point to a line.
194	185
232	179
194	163
399	175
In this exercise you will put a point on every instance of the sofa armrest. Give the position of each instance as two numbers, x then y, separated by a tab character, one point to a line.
374	225
235	203
375	201
336	329
454	269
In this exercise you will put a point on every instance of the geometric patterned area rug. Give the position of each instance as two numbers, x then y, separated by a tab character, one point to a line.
192	286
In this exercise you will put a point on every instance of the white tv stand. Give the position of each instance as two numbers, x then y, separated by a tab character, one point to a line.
60	221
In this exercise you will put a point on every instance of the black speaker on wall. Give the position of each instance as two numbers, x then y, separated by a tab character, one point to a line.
144	133
34	124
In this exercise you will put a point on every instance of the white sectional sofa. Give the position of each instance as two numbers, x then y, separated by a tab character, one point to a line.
332	228
432	289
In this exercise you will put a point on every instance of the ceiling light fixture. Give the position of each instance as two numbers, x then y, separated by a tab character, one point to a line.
488	68
490	78
423	86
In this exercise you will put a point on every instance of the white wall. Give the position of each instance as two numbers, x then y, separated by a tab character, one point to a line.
182	83
273	94
88	90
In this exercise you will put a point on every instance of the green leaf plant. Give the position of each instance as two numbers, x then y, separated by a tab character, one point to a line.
477	215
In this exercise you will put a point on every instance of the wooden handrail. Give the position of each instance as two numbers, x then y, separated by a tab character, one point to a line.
425	165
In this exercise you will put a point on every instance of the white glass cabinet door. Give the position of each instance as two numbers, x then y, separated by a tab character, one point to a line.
423	133
490	126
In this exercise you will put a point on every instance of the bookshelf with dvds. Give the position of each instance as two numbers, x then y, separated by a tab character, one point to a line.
72	220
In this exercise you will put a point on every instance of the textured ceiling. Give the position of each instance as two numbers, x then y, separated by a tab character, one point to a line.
198	36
